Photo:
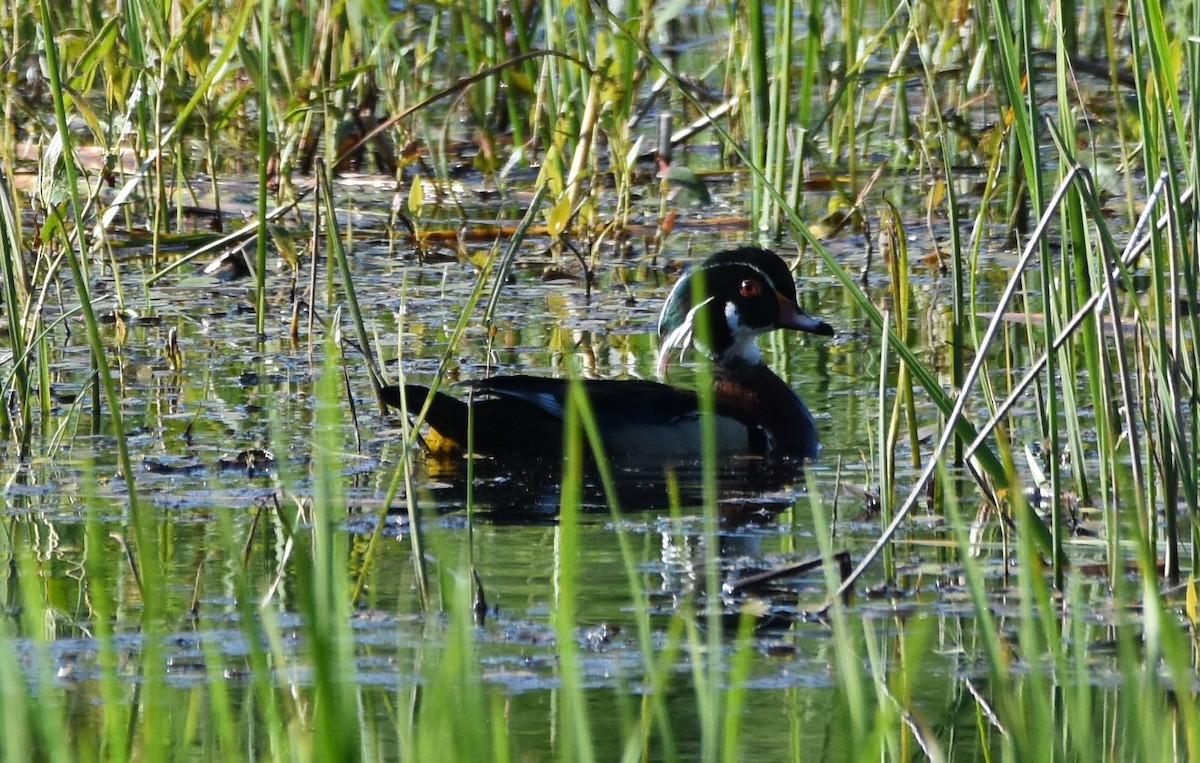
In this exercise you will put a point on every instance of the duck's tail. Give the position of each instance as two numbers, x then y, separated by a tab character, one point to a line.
447	416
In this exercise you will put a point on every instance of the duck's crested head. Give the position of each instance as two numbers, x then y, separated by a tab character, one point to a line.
723	304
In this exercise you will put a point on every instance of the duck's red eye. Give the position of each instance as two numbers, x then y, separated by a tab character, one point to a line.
750	288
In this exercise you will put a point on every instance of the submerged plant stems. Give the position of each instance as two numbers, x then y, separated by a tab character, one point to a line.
708	662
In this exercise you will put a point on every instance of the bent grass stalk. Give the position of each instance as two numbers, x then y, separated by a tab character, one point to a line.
964	394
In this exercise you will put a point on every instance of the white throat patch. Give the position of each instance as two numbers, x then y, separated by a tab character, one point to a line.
745	340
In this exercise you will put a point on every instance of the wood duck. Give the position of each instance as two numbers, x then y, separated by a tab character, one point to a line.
719	308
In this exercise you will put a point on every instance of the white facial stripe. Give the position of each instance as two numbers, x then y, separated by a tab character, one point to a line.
680	336
766	278
733	318
745	341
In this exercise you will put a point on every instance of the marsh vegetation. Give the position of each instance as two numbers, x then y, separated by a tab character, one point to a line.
224	225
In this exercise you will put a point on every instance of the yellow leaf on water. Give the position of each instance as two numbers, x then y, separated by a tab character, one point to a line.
416	196
937	193
550	173
1190	606
558	216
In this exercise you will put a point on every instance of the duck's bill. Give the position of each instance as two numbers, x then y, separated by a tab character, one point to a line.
792	317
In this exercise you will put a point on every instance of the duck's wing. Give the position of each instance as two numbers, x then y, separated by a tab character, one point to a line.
523	416
503	424
636	418
633	399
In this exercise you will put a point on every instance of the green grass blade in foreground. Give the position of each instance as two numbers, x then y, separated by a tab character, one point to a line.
846	647
988	629
735	693
1038	631
637	588
333	240
708	661
16	728
31	683
577	743
452	695
323	570
257	627
99	563
1079	692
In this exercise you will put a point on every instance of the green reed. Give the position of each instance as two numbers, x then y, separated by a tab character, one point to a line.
324	585
758	113
265	154
17	298
658	661
577	741
708	661
1168	350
